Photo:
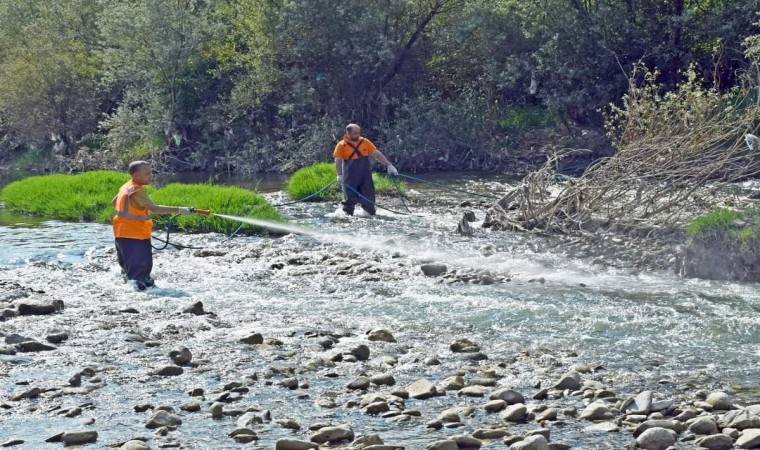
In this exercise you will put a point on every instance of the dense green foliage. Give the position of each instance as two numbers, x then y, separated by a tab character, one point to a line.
309	180
88	196
269	84
735	227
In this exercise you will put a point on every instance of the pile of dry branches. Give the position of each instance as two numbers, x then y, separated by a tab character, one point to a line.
674	154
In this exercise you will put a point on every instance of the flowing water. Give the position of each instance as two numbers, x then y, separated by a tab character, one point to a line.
348	276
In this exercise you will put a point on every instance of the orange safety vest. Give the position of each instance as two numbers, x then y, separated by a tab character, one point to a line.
130	221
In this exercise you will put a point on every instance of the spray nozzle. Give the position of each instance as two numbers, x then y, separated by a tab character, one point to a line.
205	212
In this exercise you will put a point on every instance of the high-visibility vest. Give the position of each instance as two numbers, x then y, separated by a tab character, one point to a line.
130	221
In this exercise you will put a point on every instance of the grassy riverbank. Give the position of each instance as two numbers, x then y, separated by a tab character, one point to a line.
87	197
311	179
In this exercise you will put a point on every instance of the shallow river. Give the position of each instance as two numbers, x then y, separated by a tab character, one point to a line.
645	329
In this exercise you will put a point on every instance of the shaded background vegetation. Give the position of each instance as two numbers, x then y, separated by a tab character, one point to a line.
267	85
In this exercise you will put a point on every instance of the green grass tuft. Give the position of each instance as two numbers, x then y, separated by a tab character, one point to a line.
87	197
309	180
736	227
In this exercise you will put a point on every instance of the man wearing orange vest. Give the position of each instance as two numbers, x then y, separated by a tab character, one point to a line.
132	225
355	171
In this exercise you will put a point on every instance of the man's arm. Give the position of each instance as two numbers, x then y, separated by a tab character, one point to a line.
159	209
339	165
378	155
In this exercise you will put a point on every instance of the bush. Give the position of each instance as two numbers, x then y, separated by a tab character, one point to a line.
311	179
87	197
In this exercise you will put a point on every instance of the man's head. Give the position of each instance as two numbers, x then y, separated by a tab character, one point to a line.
141	172
353	131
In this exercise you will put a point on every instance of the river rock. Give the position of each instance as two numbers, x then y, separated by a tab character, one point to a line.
15	338
571	381
253	339
443	445
719	400
597	411
380	334
40	309
217	410
602	427
135	445
11	443
28	394
549	414
360	383
366	440
57	338
244	435
703	425
536	442
510	396
454	383
750	438
170	371
672	425
383	379
377	408
293	444
487	433
161	419
332	435
249	419
191	407
196	309
473	391
33	346
79	437
421	389
181	356
468	442
433	270
641	404
739	419
464	346
495	406
716	442
288	424
656	439
514	413
361	352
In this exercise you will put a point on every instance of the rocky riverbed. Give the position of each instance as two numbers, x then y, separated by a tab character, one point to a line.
373	334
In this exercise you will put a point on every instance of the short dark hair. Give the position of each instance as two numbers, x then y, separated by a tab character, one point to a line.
134	166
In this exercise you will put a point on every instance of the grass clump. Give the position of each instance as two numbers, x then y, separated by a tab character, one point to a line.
736	227
311	179
86	197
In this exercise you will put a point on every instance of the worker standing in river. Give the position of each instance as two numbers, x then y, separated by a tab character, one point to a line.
355	172
132	225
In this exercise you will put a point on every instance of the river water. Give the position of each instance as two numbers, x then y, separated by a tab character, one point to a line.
647	330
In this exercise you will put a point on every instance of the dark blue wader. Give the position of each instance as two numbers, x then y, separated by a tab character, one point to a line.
357	173
136	260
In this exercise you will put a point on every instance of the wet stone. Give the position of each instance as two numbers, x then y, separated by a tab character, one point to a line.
536	442
181	356
443	445
253	339
40	309
170	371
716	442
571	381
384	379
333	435
381	335
421	389
79	437
33	347
135	445
161	419
656	439
196	309
361	352
217	410
15	338
288	424
29	394
464	346
719	400
508	395
495	406
191	407
360	383
293	444
433	270
11	443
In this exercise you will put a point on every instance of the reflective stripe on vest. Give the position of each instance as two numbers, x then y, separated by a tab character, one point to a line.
125	210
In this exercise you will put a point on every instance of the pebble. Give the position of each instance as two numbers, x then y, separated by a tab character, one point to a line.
360	383
672	425
161	419
244	435
196	309
514	413
485	433
332	435
510	396
181	356
464	346
571	381
454	383
384	379
473	391
380	334
602	427
597	411
135	445
28	394
170	371
216	410
641	404
432	361
716	442
703	425
495	406
550	414
253	339
656	439
33	346
468	442
191	407
377	408
40	309
293	444
433	270
11	443
79	437
288	424
443	445
421	389
536	442
750	438
719	400
57	338
361	352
